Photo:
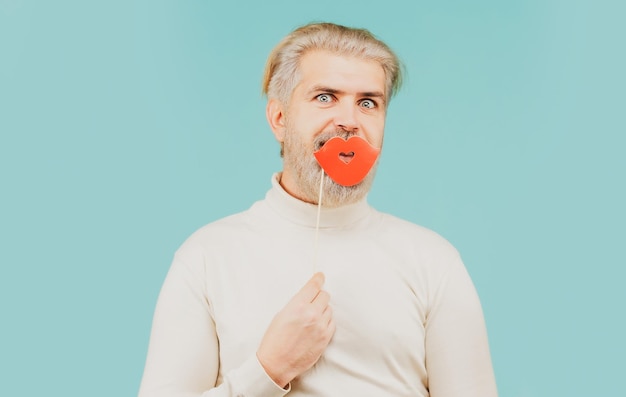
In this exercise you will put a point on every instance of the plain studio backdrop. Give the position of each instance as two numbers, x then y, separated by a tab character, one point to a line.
126	125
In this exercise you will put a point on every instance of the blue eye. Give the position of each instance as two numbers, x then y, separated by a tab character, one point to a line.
325	98
368	103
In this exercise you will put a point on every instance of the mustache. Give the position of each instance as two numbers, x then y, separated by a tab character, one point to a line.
324	137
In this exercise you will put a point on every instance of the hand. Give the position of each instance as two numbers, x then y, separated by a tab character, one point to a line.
298	334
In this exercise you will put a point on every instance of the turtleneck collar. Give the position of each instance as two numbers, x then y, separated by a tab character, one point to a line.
305	214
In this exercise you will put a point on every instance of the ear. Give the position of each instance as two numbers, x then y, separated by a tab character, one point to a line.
276	118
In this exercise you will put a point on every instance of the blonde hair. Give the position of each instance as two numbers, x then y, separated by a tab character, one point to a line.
282	68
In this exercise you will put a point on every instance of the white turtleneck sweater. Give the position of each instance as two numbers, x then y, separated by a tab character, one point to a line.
408	320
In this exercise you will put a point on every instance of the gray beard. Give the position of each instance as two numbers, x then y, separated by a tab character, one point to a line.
307	172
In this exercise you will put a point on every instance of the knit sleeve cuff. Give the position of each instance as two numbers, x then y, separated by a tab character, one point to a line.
251	380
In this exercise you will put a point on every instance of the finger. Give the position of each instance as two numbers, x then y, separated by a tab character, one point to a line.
311	288
331	328
327	316
321	300
329	324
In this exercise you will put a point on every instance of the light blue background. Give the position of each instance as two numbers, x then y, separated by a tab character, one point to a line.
126	125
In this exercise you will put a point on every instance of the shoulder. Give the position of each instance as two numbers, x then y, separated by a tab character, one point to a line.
222	229
224	226
219	234
423	240
426	259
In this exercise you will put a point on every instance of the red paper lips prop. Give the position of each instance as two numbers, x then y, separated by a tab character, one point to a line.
347	162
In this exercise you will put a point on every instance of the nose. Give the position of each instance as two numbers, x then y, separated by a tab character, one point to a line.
346	117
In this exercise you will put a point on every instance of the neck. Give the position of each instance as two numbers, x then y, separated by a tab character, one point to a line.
334	195
290	208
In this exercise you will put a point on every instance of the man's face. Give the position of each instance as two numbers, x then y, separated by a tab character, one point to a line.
336	96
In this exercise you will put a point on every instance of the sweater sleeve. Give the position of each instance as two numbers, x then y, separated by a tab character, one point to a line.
457	350
183	355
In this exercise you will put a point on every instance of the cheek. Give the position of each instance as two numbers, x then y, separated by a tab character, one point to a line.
311	121
319	119
375	131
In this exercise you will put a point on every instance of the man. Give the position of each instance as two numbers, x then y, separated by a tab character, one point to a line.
390	310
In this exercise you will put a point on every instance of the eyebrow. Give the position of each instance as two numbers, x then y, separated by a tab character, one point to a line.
372	94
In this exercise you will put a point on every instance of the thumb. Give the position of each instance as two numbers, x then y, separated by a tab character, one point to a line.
313	287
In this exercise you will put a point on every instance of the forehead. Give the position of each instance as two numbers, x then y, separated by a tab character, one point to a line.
344	73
